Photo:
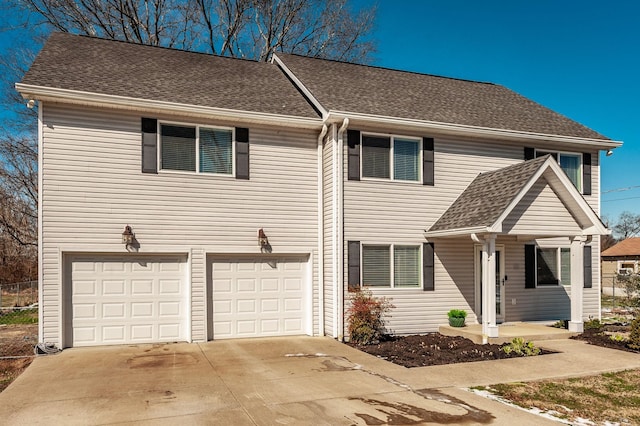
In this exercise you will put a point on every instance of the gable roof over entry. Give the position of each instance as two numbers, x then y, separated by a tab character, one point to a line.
498	201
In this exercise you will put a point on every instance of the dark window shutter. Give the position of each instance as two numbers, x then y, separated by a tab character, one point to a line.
529	266
586	173
354	265
428	267
529	153
149	145
427	162
353	142
588	277
242	153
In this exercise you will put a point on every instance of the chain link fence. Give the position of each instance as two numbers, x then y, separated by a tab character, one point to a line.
18	319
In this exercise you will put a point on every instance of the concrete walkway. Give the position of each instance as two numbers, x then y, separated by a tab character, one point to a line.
300	380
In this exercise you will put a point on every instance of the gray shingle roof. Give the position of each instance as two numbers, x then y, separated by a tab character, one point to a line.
488	196
342	86
123	69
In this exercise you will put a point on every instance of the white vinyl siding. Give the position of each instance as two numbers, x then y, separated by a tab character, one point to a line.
92	184
541	211
396	212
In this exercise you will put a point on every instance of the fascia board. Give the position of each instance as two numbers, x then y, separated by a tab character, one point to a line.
472	131
300	85
146	105
456	232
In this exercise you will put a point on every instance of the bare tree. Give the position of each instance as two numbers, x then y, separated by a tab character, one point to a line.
628	225
253	29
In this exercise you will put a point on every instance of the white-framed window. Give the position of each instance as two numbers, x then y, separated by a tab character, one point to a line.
194	148
391	266
391	157
570	162
553	266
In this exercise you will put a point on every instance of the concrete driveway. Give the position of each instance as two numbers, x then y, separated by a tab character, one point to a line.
301	380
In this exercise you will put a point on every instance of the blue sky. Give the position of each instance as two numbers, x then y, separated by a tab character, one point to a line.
580	58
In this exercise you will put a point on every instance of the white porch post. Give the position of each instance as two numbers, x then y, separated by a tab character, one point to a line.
577	283
489	327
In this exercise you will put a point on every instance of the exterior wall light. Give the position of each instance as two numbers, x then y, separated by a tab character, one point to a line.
127	236
263	241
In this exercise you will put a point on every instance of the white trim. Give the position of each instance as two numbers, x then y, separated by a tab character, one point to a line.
457	232
477	262
188	302
461	129
340	227
308	296
296	81
320	225
566	153
570	190
334	226
40	221
156	106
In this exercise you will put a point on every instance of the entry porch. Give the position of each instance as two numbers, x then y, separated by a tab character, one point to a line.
529	331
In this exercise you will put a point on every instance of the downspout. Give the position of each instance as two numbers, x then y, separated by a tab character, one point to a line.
41	303
334	229
340	226
323	132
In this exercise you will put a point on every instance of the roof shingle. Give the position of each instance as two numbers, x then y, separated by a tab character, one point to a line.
117	68
487	196
628	247
342	86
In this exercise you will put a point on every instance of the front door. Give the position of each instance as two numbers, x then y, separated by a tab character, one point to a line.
500	281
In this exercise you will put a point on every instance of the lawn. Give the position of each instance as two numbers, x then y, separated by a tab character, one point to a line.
23	316
609	397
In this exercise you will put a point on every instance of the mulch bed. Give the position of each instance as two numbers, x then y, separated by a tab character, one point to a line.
602	337
434	349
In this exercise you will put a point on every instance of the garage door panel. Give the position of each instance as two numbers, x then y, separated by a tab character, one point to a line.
252	298
130	300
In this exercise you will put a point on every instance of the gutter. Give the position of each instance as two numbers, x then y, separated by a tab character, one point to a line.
340	228
155	106
469	131
320	225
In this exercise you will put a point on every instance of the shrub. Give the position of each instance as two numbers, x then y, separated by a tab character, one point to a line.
592	324
560	324
519	347
631	286
365	317
634	336
457	313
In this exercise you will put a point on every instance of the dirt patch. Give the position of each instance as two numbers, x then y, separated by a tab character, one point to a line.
16	340
434	349
602	336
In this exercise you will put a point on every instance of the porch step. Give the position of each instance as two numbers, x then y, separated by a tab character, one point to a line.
507	332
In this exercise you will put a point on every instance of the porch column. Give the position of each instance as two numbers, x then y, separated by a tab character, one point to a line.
489	327
577	283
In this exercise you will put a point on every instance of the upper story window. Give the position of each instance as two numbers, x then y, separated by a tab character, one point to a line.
553	266
571	163
391	157
196	149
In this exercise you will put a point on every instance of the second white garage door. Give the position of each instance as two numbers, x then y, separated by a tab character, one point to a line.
127	299
259	298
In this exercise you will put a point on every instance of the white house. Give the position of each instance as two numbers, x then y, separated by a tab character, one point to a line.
190	197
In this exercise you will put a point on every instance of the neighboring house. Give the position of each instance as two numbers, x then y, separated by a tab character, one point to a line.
257	195
623	258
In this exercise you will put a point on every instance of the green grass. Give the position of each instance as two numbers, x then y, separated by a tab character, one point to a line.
25	316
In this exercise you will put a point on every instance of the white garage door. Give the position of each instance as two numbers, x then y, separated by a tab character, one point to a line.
118	300
254	298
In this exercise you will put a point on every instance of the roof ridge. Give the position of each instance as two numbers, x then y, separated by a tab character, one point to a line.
390	69
174	49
